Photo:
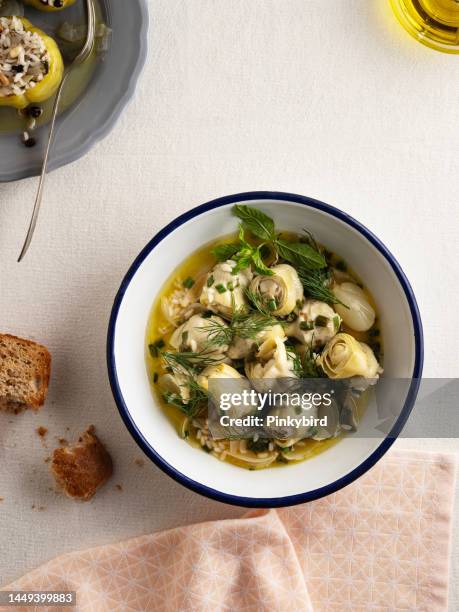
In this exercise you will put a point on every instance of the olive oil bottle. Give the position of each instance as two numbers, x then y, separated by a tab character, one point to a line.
434	23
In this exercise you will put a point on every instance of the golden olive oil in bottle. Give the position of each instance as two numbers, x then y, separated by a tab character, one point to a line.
434	23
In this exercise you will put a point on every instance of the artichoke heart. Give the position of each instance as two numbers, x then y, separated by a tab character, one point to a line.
316	324
193	335
176	383
242	347
272	361
345	357
223	291
221	370
220	388
280	292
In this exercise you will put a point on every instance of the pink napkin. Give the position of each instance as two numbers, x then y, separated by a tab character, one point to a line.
381	543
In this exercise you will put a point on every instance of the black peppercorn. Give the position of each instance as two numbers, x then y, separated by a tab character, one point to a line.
35	111
30	142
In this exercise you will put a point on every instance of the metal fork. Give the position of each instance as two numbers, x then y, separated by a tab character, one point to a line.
79	59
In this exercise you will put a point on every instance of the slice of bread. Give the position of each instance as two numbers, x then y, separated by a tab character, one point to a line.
25	368
82	468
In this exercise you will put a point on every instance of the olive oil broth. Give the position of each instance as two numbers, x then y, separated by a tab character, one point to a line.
196	267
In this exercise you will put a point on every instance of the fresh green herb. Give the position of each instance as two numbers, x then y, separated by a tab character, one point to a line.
244	325
198	397
256	222
272	305
301	254
223	252
316	285
306	254
249	254
321	321
155	347
189	361
220	288
259	264
309	366
260	446
256	301
243	253
306	325
210	281
296	359
188	282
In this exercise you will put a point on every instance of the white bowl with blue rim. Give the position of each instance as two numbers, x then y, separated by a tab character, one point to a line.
326	472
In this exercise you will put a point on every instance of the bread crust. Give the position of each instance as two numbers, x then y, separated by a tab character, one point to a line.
25	371
80	469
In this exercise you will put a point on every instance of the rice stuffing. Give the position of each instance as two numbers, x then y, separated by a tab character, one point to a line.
24	59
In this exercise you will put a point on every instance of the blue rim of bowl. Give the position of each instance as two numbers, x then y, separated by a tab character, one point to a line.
111	119
299	498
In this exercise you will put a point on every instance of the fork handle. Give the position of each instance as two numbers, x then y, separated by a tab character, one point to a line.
38	199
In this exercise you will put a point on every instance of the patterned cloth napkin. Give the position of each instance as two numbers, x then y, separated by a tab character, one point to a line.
381	544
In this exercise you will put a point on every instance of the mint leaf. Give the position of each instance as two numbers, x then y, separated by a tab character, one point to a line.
222	252
259	264
243	261
301	254
255	221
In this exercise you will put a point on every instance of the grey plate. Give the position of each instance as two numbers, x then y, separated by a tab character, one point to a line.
95	113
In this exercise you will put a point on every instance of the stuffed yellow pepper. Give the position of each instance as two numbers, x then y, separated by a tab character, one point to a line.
50	5
31	65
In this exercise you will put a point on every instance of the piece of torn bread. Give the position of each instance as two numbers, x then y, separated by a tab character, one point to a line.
25	368
80	469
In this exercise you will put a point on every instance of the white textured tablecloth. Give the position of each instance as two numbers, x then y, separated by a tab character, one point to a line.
325	98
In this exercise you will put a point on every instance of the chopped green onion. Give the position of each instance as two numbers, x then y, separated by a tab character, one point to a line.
155	347
210	281
272	305
321	321
230	286
184	337
306	325
220	288
188	282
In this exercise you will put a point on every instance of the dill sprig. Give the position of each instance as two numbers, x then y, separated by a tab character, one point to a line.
316	285
244	324
309	365
188	361
257	303
198	397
